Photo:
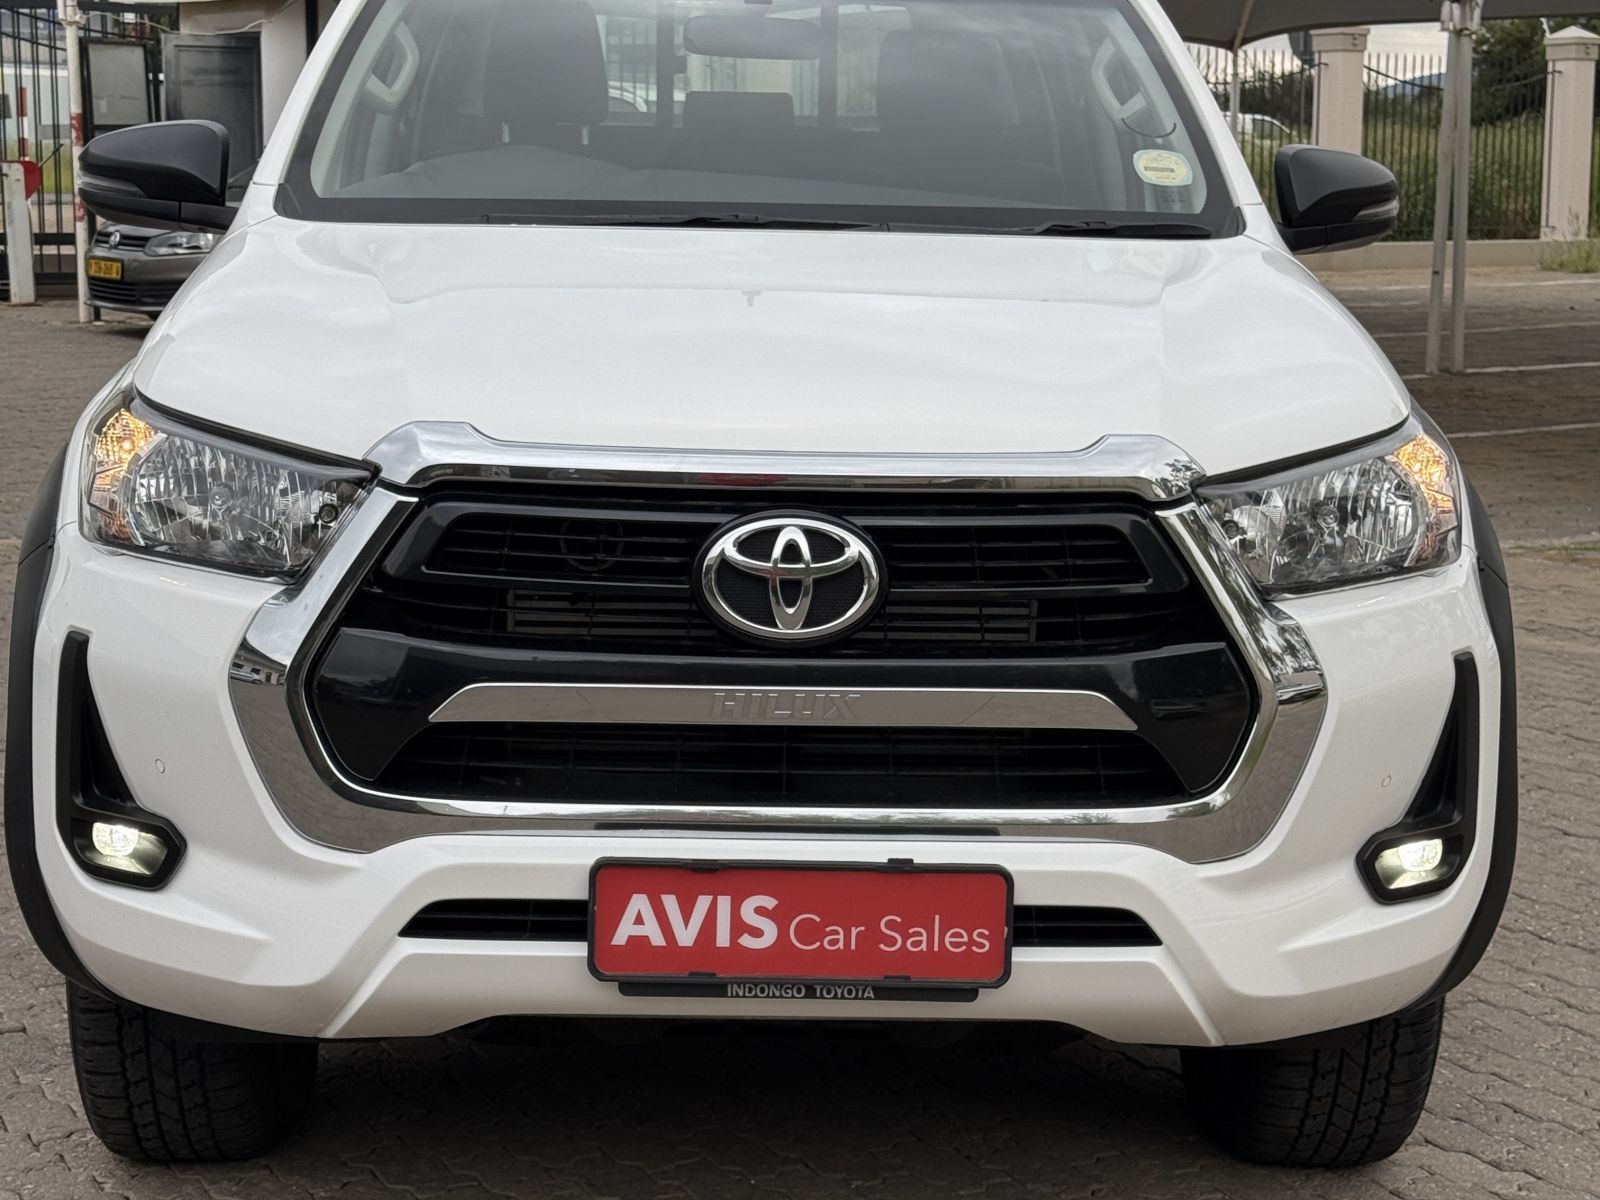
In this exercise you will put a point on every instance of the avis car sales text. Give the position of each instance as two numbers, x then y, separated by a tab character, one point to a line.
654	918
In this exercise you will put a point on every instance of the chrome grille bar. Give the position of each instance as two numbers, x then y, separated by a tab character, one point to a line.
661	704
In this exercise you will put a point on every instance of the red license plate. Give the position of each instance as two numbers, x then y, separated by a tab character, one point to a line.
702	923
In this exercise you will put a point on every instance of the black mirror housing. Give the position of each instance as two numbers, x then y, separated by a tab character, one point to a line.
1332	200
170	175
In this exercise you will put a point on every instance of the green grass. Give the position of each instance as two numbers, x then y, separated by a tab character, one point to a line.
1575	258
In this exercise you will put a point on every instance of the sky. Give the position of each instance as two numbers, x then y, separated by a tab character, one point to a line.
1407	39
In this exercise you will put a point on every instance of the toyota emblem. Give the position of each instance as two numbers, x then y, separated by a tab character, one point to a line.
790	578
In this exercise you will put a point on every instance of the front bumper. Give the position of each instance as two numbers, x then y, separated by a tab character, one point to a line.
148	283
265	929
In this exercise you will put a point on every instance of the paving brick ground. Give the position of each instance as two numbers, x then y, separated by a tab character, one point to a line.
717	1113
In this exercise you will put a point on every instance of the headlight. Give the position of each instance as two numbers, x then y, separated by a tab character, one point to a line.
181	243
1356	519
157	488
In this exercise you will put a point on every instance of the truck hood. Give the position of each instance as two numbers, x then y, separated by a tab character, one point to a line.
332	336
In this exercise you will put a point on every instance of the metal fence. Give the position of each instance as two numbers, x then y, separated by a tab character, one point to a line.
1508	157
1277	102
34	112
1404	102
1404	98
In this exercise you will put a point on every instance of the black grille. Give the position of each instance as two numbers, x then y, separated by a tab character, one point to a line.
672	623
502	920
127	241
568	921
808	767
997	577
104	291
982	591
565	546
1045	925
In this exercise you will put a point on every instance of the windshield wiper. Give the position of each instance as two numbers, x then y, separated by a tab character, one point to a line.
691	220
1115	229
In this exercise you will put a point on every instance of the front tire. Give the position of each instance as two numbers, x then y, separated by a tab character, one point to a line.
1341	1099
151	1095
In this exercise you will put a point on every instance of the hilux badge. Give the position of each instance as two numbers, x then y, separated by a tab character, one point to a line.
790	578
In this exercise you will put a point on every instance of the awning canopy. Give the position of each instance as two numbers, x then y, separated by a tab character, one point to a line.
1232	23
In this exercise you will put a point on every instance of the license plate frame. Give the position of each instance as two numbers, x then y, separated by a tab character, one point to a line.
706	982
112	269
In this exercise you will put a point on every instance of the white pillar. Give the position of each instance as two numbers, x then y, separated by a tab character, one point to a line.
1569	133
19	233
283	54
72	30
1341	87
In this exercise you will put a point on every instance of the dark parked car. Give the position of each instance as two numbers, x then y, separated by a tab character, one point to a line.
139	270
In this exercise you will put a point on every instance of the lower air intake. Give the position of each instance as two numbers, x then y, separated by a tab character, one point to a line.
782	766
568	921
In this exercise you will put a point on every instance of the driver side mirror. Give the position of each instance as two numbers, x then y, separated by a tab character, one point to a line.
1331	200
170	175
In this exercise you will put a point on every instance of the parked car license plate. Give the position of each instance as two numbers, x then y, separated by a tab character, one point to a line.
928	926
103	268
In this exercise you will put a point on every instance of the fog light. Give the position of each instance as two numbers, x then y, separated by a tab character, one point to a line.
114	841
1421	856
1412	864
123	849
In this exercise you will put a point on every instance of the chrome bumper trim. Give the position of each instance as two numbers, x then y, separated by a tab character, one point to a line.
663	704
433	451
266	684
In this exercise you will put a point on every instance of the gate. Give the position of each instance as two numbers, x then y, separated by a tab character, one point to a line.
121	87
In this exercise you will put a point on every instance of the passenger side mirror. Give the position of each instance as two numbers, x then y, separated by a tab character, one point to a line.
170	175
1331	200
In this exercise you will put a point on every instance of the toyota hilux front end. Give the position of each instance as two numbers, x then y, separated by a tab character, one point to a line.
897	538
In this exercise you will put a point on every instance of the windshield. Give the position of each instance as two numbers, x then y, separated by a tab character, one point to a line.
1026	115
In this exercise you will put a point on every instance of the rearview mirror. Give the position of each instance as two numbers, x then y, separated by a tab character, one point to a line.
170	175
1331	200
738	36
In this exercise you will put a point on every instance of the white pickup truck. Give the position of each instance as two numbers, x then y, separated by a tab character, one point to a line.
897	537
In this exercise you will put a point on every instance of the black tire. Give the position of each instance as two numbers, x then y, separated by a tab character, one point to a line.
150	1095
1340	1099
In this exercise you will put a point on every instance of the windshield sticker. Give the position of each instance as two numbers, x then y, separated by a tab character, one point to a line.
1163	168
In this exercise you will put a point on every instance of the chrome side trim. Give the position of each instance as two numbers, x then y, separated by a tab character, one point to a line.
266	685
432	451
663	704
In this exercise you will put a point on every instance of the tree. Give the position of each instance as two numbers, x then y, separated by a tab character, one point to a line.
1509	74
